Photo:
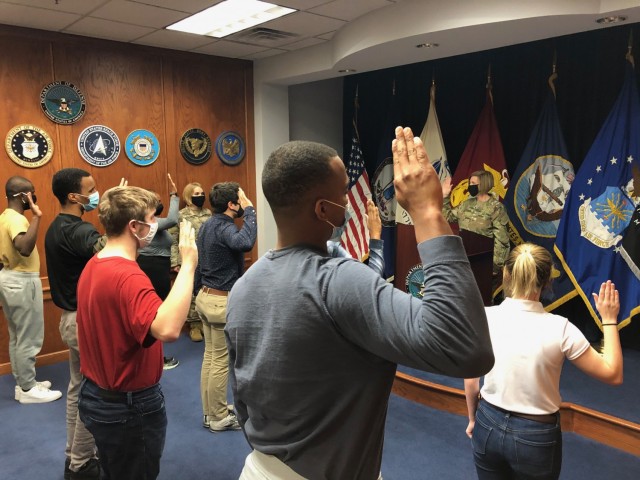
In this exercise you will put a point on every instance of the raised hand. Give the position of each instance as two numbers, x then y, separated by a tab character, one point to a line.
374	224
172	186
607	302
34	208
242	198
187	244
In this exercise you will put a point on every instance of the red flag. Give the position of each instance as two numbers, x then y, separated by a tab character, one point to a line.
483	152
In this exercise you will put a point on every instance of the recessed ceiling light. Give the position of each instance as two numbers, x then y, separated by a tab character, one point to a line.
347	70
613	19
427	45
229	17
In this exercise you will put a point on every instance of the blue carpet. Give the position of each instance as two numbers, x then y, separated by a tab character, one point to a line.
420	443
579	388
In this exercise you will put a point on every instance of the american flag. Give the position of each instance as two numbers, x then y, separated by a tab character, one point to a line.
355	238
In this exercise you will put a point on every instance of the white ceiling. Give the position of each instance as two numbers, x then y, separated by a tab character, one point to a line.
325	36
143	22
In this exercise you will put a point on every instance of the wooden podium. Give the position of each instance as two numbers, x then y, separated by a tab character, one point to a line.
479	250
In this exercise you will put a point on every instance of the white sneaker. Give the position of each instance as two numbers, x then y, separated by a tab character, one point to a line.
39	394
45	384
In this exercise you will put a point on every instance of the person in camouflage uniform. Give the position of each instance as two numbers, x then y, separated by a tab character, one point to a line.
197	214
481	213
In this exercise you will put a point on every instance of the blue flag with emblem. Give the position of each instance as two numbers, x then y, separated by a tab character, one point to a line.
538	193
598	213
382	188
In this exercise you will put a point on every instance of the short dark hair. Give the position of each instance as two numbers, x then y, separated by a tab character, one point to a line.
293	169
66	181
221	194
17	184
119	205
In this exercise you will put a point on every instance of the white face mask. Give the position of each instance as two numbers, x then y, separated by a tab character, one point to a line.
146	240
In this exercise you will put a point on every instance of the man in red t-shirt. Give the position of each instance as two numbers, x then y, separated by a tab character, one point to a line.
120	320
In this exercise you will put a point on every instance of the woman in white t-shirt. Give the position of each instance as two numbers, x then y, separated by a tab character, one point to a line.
514	423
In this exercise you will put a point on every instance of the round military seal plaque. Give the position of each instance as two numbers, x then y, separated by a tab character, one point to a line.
230	148
415	281
29	146
99	145
195	146
62	102
142	147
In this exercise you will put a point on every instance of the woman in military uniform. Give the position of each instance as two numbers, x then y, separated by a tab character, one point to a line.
481	213
197	214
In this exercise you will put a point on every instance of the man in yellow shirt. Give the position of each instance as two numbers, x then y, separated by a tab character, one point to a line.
21	290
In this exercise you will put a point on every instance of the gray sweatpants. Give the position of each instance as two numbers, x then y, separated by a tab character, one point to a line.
21	298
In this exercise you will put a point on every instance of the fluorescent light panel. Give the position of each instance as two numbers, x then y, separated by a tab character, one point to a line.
229	17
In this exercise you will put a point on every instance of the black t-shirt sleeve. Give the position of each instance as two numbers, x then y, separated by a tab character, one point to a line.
84	238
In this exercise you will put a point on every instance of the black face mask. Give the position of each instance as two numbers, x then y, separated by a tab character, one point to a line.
473	190
198	201
240	211
159	209
25	201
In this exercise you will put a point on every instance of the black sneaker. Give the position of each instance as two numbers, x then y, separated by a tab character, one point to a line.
67	471
169	363
88	471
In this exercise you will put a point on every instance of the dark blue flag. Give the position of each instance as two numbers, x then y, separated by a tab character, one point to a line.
538	193
382	189
599	210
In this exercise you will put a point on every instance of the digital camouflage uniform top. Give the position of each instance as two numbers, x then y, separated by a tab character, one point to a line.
484	218
197	219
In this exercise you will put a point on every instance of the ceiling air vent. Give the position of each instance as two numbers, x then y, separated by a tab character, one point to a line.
261	34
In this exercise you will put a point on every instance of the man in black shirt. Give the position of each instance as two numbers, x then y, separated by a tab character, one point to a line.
69	244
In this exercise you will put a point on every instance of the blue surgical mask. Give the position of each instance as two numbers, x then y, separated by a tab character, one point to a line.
94	200
337	232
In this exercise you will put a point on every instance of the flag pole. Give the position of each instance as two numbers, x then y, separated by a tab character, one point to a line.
554	75
489	85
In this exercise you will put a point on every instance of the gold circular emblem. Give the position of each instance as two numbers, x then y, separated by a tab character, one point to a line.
29	146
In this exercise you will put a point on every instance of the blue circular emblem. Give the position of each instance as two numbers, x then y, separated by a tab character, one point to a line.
195	146
230	148
62	102
414	281
142	147
384	192
99	145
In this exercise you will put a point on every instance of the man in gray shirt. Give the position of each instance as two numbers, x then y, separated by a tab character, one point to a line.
314	341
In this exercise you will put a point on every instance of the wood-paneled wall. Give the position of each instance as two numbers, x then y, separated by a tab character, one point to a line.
126	87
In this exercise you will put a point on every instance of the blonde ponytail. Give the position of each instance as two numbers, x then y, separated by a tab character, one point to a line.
527	271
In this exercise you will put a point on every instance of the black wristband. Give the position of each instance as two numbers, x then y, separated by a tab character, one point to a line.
607	324
173	193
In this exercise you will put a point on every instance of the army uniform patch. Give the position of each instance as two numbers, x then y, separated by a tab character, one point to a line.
62	102
142	147
29	146
195	146
99	145
230	148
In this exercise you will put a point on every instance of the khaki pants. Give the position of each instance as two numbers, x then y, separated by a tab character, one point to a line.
259	466
81	447
215	362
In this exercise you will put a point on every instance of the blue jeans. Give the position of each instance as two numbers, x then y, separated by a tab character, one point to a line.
129	429
510	447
